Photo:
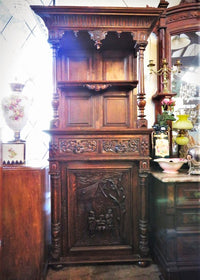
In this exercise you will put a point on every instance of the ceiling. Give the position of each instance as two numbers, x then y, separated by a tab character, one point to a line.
122	3
18	4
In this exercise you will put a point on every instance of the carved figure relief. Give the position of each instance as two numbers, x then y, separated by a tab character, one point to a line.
77	146
144	165
121	146
102	222
101	199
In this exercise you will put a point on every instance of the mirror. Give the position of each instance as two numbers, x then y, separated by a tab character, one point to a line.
186	47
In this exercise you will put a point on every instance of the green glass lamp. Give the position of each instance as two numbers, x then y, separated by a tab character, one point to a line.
182	125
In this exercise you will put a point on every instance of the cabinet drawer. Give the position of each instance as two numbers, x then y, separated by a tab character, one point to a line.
188	218
188	247
99	145
188	194
124	145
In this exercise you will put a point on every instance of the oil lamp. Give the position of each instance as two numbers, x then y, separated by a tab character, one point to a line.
182	125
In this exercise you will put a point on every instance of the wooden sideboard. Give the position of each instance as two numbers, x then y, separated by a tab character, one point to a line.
175	213
24	222
100	143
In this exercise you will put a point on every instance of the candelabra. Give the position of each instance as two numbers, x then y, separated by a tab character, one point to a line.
165	71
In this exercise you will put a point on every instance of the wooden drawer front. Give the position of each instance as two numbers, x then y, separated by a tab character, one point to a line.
77	146
188	247
138	145
134	146
100	203
188	218
188	194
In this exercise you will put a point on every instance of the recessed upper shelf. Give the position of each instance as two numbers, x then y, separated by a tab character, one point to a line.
96	40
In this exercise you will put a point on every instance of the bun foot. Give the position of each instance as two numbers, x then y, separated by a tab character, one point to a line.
143	263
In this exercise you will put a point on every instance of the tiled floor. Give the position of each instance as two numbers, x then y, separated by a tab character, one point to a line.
105	272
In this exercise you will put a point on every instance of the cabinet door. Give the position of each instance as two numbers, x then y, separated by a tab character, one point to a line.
100	210
82	109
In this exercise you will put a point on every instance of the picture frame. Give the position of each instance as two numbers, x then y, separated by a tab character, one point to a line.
13	153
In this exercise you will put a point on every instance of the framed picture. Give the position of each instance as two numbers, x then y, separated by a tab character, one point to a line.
13	153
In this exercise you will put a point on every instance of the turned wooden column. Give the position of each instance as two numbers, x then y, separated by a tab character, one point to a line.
141	121
54	40
144	217
55	100
143	222
55	211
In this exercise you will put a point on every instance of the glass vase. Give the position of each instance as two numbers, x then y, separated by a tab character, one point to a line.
15	109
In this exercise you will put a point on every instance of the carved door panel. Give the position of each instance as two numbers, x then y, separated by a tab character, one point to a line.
100	204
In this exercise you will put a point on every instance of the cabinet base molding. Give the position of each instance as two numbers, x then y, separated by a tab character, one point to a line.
64	262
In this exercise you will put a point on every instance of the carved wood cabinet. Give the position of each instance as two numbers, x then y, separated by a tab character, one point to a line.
175	225
99	149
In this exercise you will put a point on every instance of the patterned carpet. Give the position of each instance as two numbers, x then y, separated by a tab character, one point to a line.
105	272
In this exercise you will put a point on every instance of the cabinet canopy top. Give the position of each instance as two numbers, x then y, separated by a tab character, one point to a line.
138	21
141	11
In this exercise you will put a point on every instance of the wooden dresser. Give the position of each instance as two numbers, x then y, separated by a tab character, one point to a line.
24	222
100	143
175	220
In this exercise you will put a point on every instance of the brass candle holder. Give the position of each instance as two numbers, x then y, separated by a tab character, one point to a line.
165	71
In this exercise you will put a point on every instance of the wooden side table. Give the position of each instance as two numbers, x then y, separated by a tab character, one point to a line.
24	219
